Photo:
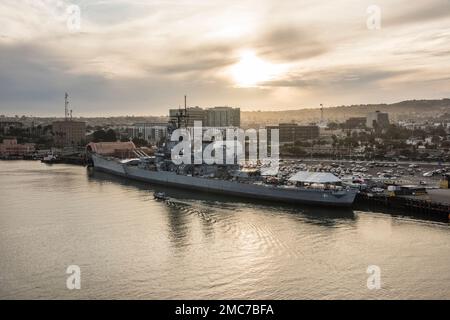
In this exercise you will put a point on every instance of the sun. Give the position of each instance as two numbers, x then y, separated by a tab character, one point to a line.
252	70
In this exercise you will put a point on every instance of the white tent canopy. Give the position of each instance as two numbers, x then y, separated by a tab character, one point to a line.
314	177
269	171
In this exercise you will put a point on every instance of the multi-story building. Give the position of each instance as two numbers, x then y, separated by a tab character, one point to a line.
223	117
291	132
68	133
151	132
10	147
210	117
355	122
193	114
6	126
307	132
377	120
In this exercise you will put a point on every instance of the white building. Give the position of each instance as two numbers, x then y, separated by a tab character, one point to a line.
151	132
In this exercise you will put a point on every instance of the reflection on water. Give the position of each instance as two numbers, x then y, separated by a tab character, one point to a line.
199	245
320	214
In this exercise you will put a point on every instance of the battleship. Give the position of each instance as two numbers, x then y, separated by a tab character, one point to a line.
322	189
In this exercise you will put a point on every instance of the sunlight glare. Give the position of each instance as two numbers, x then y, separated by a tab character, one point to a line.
252	70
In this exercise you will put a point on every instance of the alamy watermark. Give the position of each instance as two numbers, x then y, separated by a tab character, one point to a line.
60	11
374	279
73	282
226	146
373	21
73	18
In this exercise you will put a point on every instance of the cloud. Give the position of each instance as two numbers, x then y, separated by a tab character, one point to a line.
142	56
432	10
342	79
288	43
204	58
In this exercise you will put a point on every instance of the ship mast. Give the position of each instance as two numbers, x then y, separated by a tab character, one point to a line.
185	112
182	117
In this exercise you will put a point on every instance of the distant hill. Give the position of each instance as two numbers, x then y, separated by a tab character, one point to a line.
410	109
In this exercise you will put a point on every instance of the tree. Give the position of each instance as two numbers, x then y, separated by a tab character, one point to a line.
140	142
104	136
335	140
397	133
99	135
439	131
110	136
333	126
435	139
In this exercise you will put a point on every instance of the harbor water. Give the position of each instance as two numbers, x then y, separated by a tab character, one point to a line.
201	246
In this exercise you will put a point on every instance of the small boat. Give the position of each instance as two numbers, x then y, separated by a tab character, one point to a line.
50	159
160	196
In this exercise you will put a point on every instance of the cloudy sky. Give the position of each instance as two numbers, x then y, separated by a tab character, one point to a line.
141	57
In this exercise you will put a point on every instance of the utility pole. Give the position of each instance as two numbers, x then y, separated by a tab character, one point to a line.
321	113
66	106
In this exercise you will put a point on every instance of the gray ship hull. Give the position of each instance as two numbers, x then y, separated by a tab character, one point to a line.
344	198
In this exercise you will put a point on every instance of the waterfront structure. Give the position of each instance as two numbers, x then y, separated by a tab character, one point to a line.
291	132
377	120
114	149
10	147
69	133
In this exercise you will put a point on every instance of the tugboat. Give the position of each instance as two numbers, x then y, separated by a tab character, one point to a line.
160	196
50	159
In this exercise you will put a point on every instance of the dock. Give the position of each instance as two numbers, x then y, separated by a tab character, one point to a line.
435	205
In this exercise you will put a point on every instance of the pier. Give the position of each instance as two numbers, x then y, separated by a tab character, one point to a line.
436	206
